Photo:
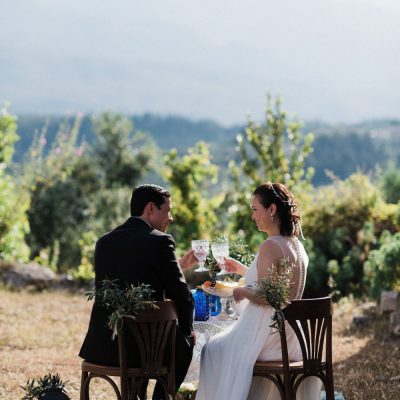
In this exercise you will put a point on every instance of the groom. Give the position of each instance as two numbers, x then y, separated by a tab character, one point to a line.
139	251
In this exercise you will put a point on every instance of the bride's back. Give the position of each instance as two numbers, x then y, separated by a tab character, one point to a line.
293	250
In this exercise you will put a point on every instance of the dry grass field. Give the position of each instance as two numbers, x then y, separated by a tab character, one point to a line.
42	332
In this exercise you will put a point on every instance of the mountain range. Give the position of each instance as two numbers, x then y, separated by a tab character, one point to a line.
341	149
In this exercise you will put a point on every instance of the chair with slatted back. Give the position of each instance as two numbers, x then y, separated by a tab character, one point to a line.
154	333
311	320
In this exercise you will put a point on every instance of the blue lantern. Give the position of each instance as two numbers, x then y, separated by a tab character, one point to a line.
201	306
215	305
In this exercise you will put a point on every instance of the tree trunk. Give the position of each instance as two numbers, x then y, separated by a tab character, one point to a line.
394	326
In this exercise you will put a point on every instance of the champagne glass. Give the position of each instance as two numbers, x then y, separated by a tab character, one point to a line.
201	249
220	250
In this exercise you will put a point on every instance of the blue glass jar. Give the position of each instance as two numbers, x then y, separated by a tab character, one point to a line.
201	306
215	305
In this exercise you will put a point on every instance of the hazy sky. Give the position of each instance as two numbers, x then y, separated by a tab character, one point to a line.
332	60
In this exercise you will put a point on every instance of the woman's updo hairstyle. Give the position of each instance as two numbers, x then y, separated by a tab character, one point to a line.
287	210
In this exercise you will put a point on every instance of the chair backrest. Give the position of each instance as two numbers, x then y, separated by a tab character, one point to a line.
154	332
311	320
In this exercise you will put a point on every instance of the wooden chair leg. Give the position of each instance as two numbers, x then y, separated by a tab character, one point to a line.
330	394
288	391
84	395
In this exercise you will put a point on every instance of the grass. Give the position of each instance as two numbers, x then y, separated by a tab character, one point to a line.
366	358
43	332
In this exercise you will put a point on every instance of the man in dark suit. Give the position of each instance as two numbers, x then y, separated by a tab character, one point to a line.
139	251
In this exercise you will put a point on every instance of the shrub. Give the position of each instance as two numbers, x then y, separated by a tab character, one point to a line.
340	227
382	268
13	200
390	182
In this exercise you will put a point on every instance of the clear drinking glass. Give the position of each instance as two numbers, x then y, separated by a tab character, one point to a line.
220	250
201	249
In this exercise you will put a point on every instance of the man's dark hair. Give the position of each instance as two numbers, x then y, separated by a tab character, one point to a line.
144	194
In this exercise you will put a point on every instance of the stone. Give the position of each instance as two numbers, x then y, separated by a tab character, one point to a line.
388	301
360	320
17	275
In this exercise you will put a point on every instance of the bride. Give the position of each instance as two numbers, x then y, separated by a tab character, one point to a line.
227	359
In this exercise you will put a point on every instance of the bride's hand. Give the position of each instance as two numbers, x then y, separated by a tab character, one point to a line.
239	294
234	266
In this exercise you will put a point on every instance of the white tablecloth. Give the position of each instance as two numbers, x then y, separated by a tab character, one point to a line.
204	330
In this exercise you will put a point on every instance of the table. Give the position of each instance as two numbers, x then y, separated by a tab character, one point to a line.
204	330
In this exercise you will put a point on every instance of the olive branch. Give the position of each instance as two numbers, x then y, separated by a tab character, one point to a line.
120	302
275	290
35	389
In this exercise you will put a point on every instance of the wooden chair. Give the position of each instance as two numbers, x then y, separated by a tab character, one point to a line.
154	332
311	320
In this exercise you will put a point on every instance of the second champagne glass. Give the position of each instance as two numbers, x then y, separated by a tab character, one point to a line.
201	249
220	250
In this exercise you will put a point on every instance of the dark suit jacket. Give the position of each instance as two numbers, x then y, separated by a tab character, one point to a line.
135	253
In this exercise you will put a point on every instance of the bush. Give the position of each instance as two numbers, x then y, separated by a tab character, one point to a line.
13	221
391	184
13	200
79	191
341	225
191	176
56	219
56	212
382	268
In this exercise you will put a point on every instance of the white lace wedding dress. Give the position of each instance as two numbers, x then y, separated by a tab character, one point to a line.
227	359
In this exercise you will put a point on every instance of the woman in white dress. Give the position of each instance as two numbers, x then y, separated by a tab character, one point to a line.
227	360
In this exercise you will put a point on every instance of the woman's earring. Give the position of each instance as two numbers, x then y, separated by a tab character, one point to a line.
272	218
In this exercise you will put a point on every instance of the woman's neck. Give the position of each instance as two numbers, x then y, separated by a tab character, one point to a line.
274	231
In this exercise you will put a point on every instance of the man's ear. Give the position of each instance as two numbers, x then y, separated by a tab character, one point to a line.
149	208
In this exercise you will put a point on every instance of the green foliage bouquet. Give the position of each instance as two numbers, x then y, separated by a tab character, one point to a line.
128	301
275	290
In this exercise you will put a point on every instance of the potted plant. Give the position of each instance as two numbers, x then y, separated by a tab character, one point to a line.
49	387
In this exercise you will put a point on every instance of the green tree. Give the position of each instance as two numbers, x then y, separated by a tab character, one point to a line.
8	135
274	151
13	201
120	158
382	268
80	191
390	182
121	155
341	225
56	214
191	177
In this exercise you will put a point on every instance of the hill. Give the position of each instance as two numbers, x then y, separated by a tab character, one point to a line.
341	149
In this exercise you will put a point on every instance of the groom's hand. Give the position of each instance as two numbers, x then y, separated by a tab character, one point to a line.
188	260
